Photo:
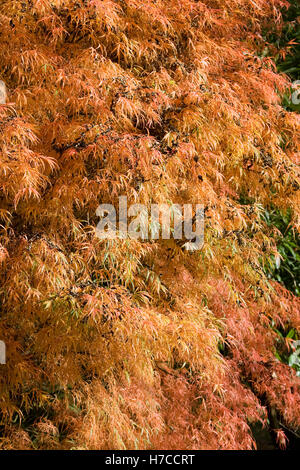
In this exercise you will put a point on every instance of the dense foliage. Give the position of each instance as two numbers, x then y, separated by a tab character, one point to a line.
139	344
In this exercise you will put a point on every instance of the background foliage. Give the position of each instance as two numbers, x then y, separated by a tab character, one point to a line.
286	267
287	47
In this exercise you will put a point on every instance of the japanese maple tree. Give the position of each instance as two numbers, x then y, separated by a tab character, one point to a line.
132	344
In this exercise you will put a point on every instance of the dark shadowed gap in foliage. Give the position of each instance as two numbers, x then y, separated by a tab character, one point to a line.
265	440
